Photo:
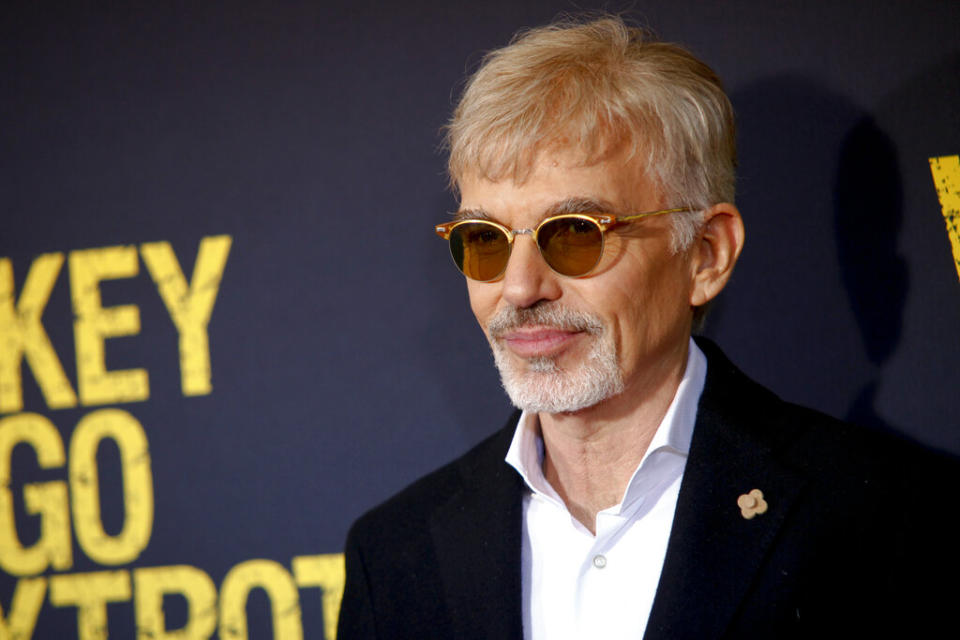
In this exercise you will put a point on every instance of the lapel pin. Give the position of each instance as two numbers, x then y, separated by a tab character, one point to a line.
752	504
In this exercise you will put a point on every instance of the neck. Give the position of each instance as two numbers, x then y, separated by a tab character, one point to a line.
590	455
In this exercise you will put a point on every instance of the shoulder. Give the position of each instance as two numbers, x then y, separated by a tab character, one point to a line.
408	512
850	511
829	453
407	559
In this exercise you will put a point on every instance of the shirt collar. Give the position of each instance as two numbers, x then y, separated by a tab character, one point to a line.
673	435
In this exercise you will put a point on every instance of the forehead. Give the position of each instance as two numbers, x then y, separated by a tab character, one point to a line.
562	180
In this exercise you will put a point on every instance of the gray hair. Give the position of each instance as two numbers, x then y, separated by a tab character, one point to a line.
600	83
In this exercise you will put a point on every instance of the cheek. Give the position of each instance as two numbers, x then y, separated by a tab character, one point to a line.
647	305
630	314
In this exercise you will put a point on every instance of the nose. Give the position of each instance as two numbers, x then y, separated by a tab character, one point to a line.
528	278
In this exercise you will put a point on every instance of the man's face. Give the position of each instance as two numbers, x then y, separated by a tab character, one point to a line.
565	344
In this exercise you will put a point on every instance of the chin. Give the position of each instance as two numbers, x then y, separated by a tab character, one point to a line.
541	385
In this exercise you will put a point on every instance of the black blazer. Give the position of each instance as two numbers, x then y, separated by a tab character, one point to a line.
854	544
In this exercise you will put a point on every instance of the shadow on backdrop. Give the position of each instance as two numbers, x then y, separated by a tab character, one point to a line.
815	309
868	200
923	119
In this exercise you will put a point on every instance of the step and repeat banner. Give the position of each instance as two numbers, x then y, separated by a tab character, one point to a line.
227	327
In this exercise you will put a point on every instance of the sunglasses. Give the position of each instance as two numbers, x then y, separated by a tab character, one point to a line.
570	243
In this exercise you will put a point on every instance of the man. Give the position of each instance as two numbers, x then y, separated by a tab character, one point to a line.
647	489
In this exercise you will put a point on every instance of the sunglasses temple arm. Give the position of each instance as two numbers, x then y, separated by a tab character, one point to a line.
650	214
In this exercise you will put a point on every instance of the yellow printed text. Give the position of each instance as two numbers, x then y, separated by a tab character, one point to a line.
49	499
23	338
946	179
91	592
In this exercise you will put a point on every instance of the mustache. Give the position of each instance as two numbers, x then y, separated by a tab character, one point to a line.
543	315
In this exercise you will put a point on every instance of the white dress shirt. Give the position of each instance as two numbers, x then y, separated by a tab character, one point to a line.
577	585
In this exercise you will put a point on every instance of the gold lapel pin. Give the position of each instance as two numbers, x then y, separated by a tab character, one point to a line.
752	504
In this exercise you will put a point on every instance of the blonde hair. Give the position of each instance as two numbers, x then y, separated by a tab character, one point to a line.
597	85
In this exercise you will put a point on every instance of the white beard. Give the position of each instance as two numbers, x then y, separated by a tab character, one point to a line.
540	384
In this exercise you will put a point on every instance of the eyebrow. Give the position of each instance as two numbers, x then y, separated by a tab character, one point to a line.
580	205
568	205
471	214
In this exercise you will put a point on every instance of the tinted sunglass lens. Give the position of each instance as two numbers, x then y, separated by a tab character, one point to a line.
480	250
572	245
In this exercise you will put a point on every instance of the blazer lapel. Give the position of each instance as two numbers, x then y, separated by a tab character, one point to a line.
477	541
714	552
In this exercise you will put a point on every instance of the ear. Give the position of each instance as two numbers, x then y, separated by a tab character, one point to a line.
715	252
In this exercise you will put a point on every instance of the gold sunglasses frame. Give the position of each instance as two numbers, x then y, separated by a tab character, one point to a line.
604	222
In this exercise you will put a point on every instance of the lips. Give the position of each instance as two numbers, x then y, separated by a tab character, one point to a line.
538	342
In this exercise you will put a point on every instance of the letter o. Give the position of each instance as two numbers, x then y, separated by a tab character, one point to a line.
130	438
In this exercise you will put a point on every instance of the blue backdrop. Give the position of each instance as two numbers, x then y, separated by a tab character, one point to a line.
221	287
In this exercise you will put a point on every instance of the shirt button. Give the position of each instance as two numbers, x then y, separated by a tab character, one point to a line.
599	561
